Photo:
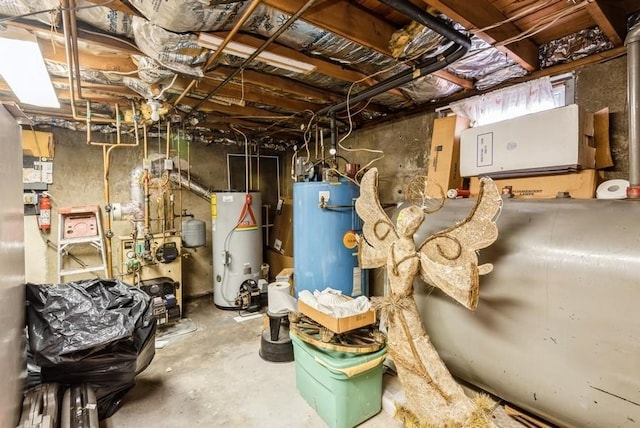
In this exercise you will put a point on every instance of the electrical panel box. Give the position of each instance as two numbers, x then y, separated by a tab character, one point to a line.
158	261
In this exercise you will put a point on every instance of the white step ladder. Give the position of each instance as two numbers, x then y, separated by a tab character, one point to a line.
80	226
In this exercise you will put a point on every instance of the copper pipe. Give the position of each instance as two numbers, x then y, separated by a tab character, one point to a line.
168	131
147	213
74	46
223	45
69	28
257	52
106	165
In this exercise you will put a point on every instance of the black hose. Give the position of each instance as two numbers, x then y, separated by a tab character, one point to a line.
461	45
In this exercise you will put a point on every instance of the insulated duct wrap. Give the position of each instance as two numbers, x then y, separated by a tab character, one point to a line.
93	76
18	8
574	46
312	40
191	15
138	86
483	61
177	52
104	18
149	71
429	88
501	75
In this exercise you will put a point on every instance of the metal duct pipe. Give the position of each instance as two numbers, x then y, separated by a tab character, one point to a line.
633	90
461	45
556	330
185	181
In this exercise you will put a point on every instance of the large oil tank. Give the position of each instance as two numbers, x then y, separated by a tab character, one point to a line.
324	250
237	243
557	328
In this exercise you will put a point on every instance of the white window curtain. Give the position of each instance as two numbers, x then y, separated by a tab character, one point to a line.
507	103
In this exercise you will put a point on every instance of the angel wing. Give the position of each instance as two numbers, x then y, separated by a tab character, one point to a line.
448	258
378	233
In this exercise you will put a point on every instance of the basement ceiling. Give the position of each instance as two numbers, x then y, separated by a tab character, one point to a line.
317	56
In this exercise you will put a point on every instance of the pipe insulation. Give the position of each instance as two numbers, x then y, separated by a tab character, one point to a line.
633	87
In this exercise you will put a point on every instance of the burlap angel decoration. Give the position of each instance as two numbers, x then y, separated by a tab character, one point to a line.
447	260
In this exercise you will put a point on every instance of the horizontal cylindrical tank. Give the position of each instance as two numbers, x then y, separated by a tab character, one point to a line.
557	330
324	248
194	233
237	243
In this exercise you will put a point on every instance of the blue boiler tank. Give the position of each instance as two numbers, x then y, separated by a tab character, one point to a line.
324	247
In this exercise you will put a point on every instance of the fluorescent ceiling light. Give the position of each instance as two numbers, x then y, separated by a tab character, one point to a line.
241	50
23	68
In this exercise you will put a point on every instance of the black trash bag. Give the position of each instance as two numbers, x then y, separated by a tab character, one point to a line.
97	331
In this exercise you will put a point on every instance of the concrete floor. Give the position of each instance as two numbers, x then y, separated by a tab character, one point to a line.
213	376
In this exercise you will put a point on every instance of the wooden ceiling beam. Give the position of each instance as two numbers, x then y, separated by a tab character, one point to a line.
123	91
241	112
322	66
611	18
214	119
482	13
352	22
343	18
97	40
117	5
450	77
250	93
54	51
283	85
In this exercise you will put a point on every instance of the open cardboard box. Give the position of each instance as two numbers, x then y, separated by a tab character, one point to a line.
337	325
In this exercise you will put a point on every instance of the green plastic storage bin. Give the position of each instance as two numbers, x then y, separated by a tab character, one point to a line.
345	390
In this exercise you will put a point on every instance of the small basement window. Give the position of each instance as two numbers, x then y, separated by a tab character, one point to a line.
517	100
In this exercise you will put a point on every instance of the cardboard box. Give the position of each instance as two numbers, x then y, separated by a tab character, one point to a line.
38	144
443	170
547	142
580	185
281	239
337	325
277	263
286	275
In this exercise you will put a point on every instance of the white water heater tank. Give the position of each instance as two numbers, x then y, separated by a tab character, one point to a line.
237	244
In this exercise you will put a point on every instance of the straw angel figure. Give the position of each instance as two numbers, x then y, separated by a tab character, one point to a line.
447	260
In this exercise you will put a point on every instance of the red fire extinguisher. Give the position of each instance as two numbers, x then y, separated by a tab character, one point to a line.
44	219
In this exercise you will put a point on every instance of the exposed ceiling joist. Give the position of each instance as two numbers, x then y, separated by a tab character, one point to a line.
118	5
479	14
345	19
250	93
611	18
322	66
54	51
284	86
95	39
353	21
241	112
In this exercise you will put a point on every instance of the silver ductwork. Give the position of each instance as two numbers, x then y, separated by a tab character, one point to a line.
134	208
557	330
188	182
633	89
